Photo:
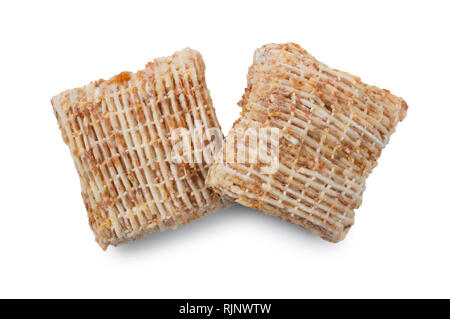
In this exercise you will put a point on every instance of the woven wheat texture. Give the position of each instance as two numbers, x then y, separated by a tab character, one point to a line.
332	129
118	132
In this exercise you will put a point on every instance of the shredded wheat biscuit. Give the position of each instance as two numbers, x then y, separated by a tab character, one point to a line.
332	129
118	132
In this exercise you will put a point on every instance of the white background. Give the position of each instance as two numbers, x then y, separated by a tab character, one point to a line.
399	245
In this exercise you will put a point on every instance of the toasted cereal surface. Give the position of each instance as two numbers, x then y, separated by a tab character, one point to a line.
332	129
119	134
